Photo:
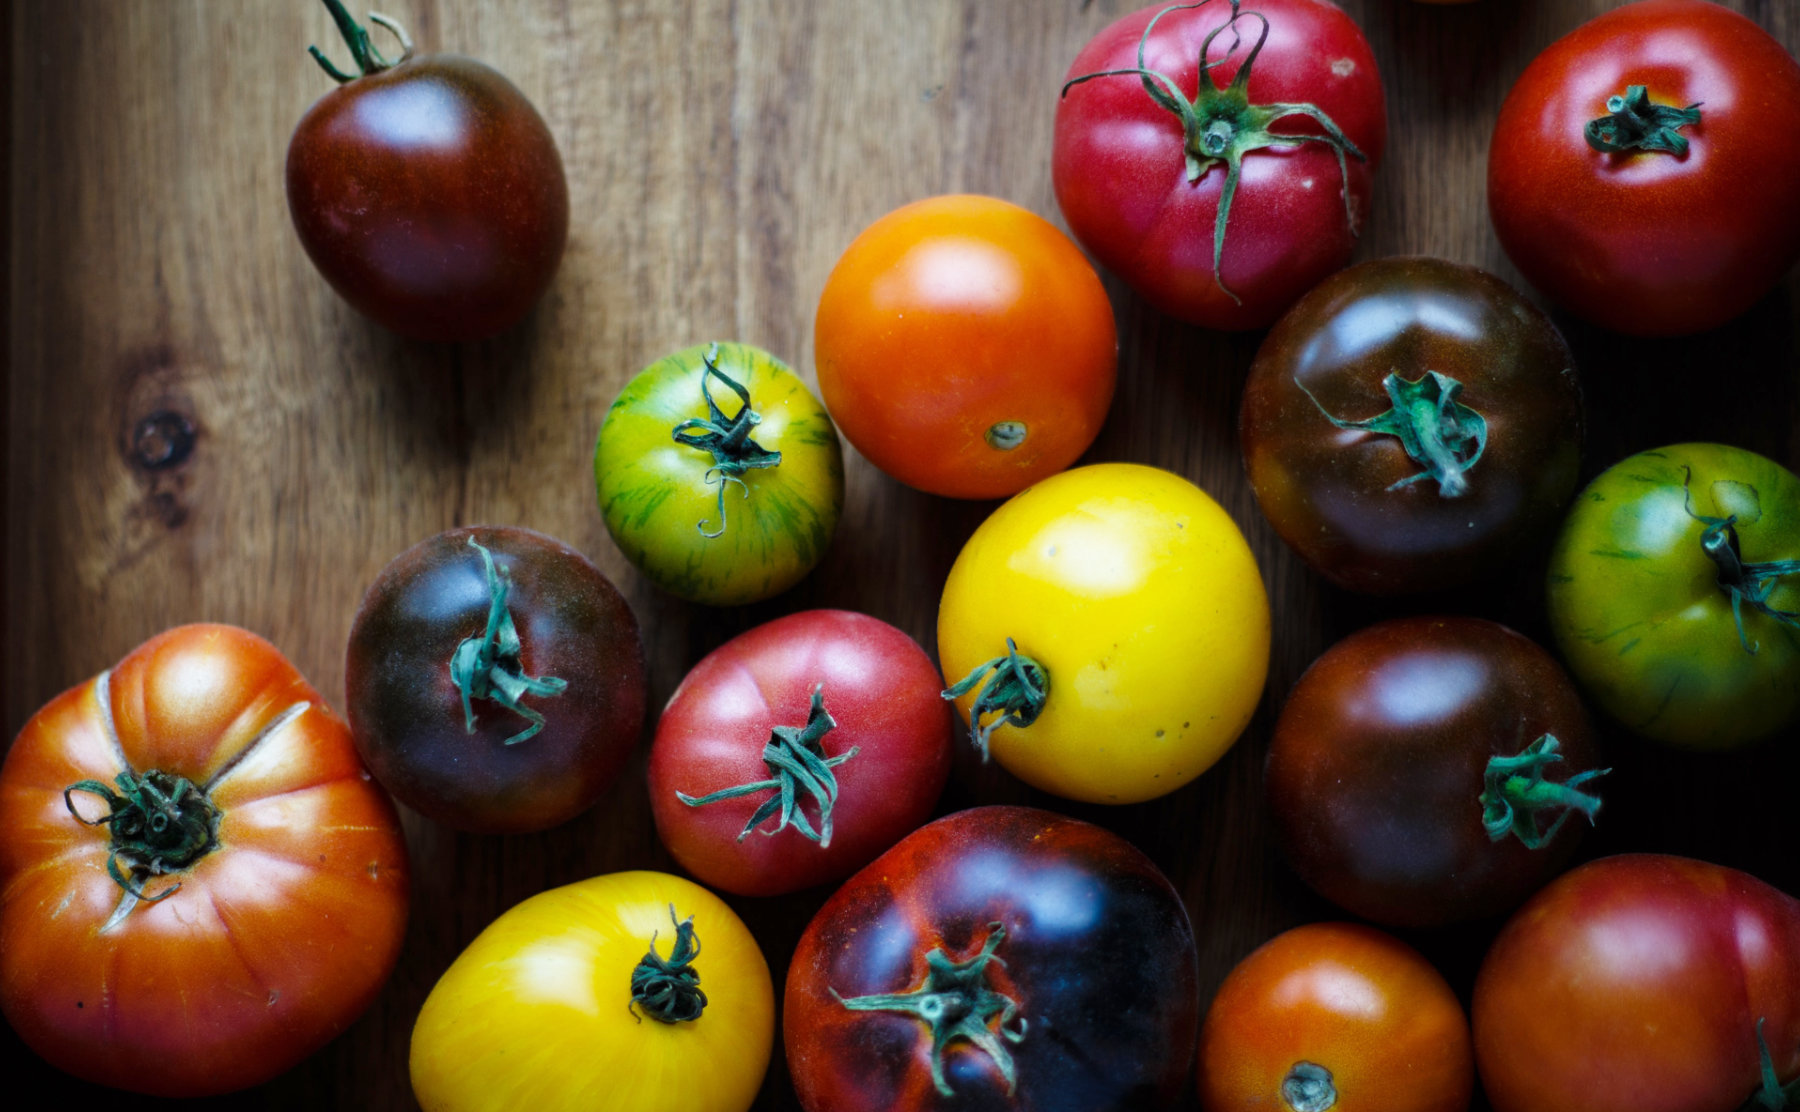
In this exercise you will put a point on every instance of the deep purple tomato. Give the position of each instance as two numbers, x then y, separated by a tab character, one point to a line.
999	958
794	753
1411	424
495	680
428	192
1431	770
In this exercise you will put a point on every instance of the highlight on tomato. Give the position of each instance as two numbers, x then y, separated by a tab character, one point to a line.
1220	157
495	680
794	753
630	992
1106	633
199	884
966	347
1000	957
719	474
1335	1016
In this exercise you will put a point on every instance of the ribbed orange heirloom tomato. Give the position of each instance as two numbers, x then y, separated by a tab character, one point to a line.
199	883
966	347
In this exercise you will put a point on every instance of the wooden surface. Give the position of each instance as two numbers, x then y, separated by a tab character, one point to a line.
720	154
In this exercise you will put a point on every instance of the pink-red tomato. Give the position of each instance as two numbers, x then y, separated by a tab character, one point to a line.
774	714
1627	208
1143	164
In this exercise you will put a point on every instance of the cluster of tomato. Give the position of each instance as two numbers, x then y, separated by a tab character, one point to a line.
1409	425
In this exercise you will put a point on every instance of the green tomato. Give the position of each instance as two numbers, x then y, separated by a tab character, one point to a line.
1674	594
720	474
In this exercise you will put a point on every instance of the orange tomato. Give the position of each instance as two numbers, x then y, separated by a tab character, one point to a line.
966	347
1338	1016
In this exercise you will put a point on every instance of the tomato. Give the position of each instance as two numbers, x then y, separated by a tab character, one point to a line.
1221	199
999	958
1643	983
495	680
1633	176
199	885
833	718
427	191
1109	631
966	347
632	992
1674	592
719	510
1431	770
1338	1016
1411	425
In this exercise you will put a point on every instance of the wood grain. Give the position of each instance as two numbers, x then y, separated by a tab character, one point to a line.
720	154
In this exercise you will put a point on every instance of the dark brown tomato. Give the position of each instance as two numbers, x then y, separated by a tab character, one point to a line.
431	196
1058	962
1495	426
572	661
1379	771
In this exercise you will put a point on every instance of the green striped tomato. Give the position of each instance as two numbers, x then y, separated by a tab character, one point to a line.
719	474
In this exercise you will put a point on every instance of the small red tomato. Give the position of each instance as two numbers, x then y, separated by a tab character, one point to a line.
1643	983
1335	1016
1220	161
793	754
427	191
1636	175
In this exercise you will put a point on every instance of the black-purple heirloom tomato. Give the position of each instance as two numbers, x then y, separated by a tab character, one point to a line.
495	680
998	958
1410	424
1432	770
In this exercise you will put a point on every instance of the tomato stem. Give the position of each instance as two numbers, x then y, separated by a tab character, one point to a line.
1438	432
668	989
1516	798
796	757
957	1003
362	48
1221	126
489	666
160	823
1016	692
1308	1088
727	438
1771	1095
1636	123
1747	584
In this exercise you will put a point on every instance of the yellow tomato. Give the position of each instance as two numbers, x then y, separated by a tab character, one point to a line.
1136	598
538	1013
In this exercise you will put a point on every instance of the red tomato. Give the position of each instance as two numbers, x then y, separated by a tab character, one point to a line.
428	192
211	952
966	347
1642	984
1338	1016
1678	231
1145	159
779	709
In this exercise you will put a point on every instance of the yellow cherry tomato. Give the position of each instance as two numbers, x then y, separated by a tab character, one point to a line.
1137	613
539	1013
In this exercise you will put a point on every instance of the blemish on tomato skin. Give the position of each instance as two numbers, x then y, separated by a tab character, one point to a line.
1343	67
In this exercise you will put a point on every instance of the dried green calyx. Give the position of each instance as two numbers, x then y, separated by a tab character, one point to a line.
1635	123
1516	798
726	438
1437	431
795	756
490	666
668	989
160	824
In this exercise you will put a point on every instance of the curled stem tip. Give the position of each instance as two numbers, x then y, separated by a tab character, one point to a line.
668	989
726	438
1636	123
491	666
795	757
1517	800
362	49
160	824
1437	432
1014	692
1748	584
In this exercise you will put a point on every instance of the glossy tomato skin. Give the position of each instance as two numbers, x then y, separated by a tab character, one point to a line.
966	347
431	196
1099	957
1650	242
275	940
661	498
1637	608
875	682
1120	171
537	1013
407	714
1139	597
1341	497
1636	983
1376	772
1338	1011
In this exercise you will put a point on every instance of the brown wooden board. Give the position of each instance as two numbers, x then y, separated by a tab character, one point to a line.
720	154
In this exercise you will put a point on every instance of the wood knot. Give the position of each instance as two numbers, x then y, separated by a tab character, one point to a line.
163	440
